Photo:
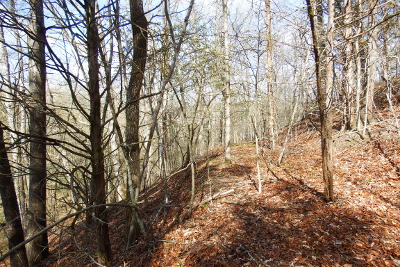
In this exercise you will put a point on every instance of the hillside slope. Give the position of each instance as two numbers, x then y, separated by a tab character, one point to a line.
288	224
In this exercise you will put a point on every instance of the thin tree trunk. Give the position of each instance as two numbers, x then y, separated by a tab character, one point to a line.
14	231
97	151
189	151
258	167
327	124
23	158
271	102
351	117
358	80
324	90
37	249
257	138
227	90
123	185
161	156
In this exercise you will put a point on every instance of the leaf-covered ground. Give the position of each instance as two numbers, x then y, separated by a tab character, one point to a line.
287	224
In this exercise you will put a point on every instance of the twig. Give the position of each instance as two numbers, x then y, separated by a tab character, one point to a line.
217	195
178	171
252	258
94	261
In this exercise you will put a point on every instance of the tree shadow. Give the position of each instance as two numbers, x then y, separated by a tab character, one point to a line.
289	225
301	232
292	226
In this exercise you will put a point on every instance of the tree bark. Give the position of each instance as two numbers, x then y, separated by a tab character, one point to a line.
372	65
227	90
38	249
324	85
139	26
14	231
271	102
350	86
326	114
96	130
358	65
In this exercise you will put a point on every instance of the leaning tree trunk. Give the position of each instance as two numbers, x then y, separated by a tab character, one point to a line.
139	28
96	130
14	231
324	90
37	249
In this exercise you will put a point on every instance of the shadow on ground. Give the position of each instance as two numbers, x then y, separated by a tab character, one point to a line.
288	225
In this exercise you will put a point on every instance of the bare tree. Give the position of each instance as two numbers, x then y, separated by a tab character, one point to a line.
324	74
227	83
139	26
271	102
351	116
38	248
372	60
96	134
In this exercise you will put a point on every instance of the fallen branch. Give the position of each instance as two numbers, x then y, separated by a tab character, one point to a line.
215	196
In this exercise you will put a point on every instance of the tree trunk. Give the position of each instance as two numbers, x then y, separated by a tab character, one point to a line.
350	87
139	26
38	248
271	102
14	231
97	153
326	114
227	90
372	65
324	91
358	54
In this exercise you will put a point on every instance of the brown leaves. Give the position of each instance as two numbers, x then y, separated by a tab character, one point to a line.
289	224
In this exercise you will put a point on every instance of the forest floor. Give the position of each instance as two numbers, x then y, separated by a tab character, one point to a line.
287	224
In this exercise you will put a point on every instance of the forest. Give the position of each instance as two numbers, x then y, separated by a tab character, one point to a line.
199	133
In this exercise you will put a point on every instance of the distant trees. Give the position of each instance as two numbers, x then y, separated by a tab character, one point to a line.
359	38
357	48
